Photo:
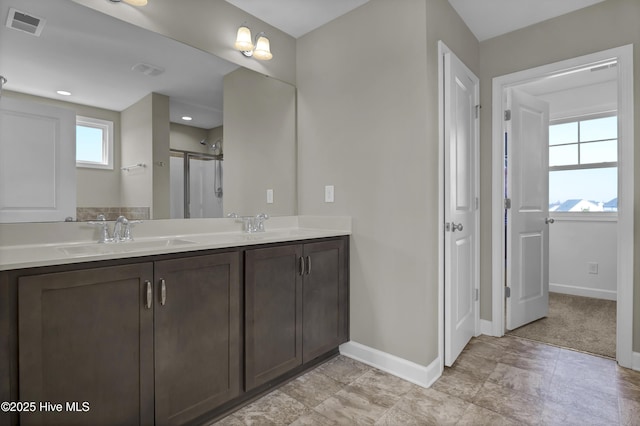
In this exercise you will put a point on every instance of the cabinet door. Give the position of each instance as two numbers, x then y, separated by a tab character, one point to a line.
325	298
87	336
197	335
273	313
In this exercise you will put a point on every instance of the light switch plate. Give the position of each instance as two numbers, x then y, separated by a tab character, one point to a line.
269	196
328	194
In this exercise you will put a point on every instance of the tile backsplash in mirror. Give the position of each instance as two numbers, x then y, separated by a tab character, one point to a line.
84	214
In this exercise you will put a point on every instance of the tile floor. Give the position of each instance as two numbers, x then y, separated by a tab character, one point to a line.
505	381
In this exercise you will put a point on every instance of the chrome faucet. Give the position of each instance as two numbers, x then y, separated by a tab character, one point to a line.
251	224
121	229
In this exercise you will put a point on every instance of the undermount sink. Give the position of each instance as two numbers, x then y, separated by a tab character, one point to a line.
125	247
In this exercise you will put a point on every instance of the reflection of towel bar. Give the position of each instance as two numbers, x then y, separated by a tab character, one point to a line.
128	168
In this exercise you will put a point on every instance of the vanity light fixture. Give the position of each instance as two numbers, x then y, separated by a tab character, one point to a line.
187	118
132	2
244	43
63	92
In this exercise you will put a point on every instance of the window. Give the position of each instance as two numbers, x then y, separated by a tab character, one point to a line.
583	164
94	143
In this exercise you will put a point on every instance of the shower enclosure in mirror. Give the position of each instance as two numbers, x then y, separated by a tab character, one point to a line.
196	185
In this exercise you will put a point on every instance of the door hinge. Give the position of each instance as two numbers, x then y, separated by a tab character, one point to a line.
507	291
507	203
507	114
477	295
477	203
478	110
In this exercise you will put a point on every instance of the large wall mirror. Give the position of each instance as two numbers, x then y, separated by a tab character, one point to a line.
183	120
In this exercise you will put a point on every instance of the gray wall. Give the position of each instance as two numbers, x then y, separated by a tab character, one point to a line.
259	144
605	25
368	124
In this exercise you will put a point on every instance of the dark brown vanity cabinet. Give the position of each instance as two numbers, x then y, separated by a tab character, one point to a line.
155	342
197	335
296	306
86	336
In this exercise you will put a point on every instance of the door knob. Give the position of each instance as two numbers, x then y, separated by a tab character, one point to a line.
455	227
549	220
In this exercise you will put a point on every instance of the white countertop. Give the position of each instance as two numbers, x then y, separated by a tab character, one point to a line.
47	244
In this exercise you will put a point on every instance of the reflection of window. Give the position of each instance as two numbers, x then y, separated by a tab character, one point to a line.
583	164
94	143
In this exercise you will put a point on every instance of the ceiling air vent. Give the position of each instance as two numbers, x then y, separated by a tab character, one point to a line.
24	22
148	69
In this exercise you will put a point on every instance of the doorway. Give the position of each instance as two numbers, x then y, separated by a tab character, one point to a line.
624	263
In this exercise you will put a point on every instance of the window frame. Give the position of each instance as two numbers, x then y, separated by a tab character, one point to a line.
107	142
605	215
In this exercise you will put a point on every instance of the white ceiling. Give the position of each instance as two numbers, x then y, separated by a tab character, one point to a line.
91	54
491	18
485	18
297	17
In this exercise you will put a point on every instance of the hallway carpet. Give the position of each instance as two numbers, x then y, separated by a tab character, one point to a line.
575	322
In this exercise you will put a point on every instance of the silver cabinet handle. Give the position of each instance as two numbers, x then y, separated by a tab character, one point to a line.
549	220
455	227
301	261
163	292
308	265
149	299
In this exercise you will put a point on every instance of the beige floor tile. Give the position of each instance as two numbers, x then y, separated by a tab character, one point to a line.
478	416
523	407
434	406
506	381
381	388
530	362
520	380
276	408
554	414
343	369
312	388
531	349
313	419
629	412
396	417
351	408
584	402
459	383
479	367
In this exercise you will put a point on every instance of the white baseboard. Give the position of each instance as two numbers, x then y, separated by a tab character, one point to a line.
407	370
635	361
486	327
583	291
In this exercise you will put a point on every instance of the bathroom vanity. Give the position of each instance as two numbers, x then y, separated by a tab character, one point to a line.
173	335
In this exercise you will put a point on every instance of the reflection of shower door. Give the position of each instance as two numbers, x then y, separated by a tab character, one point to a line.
196	185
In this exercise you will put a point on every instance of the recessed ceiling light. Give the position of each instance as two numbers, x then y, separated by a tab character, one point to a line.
187	118
63	92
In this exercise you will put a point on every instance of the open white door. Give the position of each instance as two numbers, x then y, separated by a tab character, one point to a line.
527	219
460	191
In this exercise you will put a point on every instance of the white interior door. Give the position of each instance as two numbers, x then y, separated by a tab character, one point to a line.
527	227
37	162
460	157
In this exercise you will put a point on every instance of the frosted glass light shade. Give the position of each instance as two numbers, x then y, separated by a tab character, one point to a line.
136	2
263	50
243	40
